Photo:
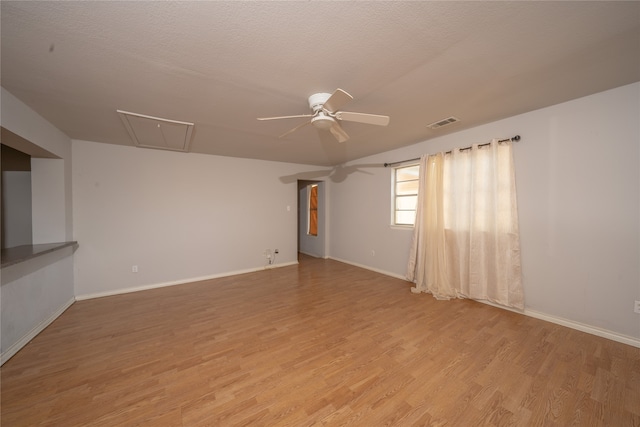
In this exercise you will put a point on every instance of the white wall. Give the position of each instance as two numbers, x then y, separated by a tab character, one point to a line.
35	292
51	179
49	205
16	208
177	216
578	184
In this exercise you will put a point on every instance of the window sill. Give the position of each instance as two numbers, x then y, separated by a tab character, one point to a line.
401	227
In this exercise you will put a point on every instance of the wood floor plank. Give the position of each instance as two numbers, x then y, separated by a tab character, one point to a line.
318	344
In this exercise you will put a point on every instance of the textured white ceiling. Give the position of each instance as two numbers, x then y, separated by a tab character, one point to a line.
222	64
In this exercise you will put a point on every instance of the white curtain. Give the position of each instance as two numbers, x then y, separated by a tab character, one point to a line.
466	242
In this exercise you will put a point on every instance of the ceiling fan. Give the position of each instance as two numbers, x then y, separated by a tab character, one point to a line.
326	115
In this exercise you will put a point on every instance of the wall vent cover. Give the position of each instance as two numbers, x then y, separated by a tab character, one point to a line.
443	122
155	132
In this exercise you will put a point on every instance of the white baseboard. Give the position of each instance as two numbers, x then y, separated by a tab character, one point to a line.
366	267
312	255
582	327
593	330
11	351
604	333
179	282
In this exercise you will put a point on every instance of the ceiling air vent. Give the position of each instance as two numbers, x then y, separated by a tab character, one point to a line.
154	132
443	122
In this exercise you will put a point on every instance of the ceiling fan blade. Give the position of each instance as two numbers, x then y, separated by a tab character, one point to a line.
295	129
285	117
371	119
337	131
337	99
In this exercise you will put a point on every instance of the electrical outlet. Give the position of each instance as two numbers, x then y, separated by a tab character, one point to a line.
134	268
636	307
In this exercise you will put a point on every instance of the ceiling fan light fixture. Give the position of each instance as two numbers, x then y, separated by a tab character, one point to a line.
322	121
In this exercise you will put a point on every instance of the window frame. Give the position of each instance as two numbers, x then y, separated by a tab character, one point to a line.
395	196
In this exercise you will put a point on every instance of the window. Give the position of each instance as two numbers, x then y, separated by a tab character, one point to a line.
405	194
313	210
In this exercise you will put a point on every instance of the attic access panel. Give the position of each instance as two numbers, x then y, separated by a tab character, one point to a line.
155	132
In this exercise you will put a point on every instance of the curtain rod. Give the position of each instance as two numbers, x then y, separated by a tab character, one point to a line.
514	138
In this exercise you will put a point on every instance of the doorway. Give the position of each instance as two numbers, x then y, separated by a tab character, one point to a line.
311	218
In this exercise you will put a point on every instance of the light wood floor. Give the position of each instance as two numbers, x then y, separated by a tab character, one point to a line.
322	343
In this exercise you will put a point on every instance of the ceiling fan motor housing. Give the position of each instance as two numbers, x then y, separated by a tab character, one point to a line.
321	120
317	100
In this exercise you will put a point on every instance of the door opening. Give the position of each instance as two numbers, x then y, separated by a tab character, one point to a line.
311	218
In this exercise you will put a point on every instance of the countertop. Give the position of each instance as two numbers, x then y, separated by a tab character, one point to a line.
18	254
